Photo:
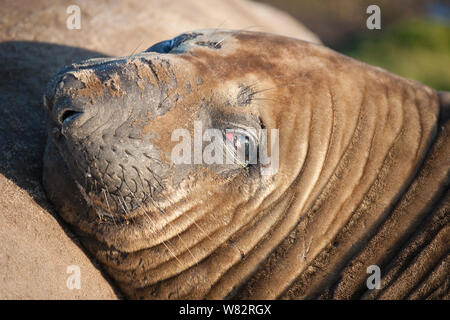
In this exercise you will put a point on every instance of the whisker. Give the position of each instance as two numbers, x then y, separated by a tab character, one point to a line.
124	210
178	235
164	215
173	255
278	87
268	99
248	27
163	242
232	33
218	27
109	208
134	51
113	218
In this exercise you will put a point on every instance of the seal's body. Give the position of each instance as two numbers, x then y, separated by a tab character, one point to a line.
361	179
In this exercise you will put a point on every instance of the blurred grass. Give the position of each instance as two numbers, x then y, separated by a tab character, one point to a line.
415	48
409	43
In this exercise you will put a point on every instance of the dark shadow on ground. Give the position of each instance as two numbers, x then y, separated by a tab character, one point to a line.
25	68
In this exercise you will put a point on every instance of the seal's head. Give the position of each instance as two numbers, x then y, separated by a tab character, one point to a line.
189	117
196	158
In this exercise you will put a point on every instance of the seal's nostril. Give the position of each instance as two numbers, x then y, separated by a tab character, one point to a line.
68	115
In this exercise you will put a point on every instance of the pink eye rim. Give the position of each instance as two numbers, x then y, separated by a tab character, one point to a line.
243	144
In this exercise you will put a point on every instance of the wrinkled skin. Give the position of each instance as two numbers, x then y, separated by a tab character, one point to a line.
356	147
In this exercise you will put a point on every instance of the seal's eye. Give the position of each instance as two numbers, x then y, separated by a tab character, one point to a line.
242	145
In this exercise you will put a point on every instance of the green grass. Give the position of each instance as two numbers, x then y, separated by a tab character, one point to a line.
415	49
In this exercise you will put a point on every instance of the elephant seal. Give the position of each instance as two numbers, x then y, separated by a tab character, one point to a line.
361	177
